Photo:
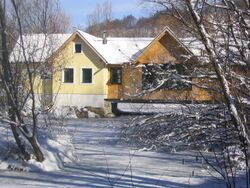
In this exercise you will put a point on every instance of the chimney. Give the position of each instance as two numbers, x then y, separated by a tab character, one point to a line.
104	37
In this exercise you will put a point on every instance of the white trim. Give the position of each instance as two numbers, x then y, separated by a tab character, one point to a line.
74	47
92	80
74	74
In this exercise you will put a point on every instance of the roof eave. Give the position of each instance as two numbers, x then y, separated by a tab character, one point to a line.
92	47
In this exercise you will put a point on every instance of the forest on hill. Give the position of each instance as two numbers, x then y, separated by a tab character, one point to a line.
130	26
101	19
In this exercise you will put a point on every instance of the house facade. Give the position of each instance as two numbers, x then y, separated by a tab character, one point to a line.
80	68
84	70
80	77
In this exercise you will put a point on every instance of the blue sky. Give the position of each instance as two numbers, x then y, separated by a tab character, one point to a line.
79	9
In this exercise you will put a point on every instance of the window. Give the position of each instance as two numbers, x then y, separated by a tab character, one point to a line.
68	75
166	76
116	76
87	76
78	48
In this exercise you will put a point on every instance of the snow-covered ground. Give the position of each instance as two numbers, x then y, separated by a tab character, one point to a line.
93	155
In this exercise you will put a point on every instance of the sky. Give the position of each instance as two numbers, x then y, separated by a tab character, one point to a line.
79	9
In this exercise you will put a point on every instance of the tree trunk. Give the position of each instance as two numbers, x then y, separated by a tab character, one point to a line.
19	143
230	101
11	92
37	149
7	78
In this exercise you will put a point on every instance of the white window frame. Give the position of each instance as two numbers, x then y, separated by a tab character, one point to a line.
74	74
92	81
74	47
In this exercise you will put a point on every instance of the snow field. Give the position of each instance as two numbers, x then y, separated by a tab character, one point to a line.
90	153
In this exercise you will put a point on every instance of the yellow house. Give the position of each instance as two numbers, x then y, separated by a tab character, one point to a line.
76	69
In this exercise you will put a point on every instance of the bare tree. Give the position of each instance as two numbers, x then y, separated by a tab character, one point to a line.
221	32
41	16
99	19
19	74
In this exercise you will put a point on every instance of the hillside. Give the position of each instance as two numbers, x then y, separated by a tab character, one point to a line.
129	26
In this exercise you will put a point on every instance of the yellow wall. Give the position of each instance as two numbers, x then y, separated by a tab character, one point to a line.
88	59
36	77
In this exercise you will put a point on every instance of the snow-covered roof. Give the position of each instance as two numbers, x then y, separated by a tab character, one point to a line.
117	50
37	47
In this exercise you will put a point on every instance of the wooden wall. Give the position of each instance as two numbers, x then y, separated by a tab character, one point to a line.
158	53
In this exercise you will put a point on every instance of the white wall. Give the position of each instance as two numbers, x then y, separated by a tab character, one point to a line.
79	100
